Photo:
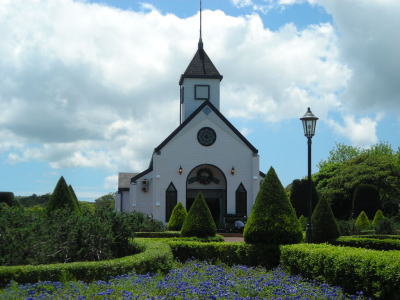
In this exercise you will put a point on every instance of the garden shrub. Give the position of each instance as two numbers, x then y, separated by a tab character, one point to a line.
379	236
303	222
354	269
62	198
229	253
324	226
299	193
199	221
366	198
272	219
385	226
362	222
155	257
163	234
177	218
378	216
347	227
368	243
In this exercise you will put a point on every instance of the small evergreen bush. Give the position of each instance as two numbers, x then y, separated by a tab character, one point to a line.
272	219
177	218
199	221
347	227
303	222
324	226
62	198
362	222
378	216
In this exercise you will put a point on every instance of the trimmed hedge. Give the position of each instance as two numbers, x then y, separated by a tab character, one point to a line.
155	257
229	253
379	236
374	272
367	243
162	234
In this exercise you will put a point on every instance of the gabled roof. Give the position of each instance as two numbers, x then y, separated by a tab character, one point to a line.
201	66
141	174
219	114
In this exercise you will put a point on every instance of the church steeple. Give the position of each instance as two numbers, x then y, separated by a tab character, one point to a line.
200	81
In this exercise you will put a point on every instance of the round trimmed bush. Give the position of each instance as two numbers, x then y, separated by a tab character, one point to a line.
177	218
272	219
362	222
324	226
199	221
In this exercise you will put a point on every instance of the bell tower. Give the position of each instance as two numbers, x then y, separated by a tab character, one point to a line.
200	81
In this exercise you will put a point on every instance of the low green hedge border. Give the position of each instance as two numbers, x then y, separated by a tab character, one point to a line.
378	236
216	238
162	234
229	253
367	243
155	257
376	273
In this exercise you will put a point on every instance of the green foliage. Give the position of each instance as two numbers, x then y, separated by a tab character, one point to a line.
156	257
105	202
378	216
303	222
7	198
177	218
62	198
324	226
368	243
164	234
348	167
385	226
366	198
272	219
347	227
362	222
354	269
33	200
379	236
199	221
229	253
299	194
30	236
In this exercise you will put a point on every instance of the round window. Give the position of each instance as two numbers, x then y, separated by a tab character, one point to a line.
206	136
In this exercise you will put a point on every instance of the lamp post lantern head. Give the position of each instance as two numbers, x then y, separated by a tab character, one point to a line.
309	123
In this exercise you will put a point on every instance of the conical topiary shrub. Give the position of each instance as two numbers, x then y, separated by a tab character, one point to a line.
199	221
324	226
74	197
362	222
272	219
178	216
62	198
378	216
303	222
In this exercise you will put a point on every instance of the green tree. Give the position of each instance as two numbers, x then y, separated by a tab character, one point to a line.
362	222
199	221
74	197
105	202
324	226
337	179
366	198
8	198
378	216
62	198
299	193
272	219
178	217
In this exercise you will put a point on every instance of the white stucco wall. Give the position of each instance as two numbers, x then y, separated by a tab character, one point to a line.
190	103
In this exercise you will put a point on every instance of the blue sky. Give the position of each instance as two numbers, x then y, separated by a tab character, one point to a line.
89	88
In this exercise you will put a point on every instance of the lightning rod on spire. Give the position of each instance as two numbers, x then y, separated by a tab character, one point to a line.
200	40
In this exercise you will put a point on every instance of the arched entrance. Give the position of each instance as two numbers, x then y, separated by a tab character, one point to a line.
211	181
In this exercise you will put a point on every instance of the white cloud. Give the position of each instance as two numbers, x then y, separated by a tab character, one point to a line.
111	182
360	132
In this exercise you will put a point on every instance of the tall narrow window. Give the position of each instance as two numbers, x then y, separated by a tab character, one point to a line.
171	199
241	201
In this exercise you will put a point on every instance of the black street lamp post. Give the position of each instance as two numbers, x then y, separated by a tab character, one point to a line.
309	122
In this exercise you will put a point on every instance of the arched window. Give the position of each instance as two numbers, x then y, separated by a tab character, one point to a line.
241	201
171	199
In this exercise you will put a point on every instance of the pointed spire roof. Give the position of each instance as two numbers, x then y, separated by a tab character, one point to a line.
201	65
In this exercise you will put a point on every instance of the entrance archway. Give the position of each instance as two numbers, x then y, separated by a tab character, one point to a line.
211	181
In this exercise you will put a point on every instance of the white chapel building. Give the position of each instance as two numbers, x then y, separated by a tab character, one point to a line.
205	153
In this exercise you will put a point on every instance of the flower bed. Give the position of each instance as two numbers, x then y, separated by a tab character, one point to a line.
191	280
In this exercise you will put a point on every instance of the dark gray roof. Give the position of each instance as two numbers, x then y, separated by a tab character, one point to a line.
201	66
124	179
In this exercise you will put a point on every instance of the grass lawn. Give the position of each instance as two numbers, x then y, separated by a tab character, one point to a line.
193	279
